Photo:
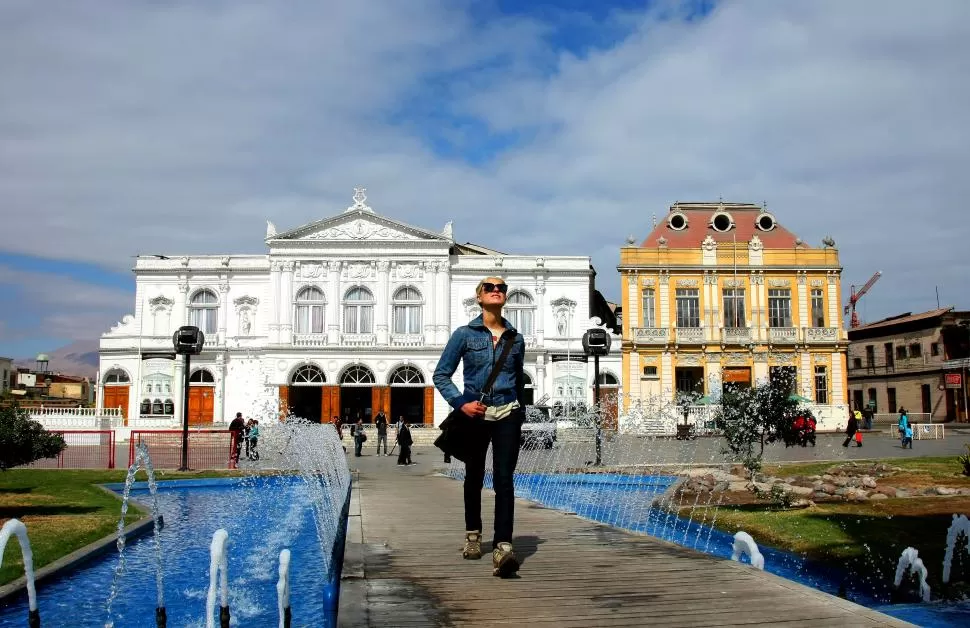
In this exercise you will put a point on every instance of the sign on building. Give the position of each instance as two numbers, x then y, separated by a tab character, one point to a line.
953	380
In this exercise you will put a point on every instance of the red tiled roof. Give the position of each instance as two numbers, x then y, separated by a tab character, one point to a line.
699	227
908	317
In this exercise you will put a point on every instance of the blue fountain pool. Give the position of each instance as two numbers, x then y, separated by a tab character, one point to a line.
262	515
622	501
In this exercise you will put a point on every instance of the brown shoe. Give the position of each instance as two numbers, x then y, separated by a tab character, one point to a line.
472	549
504	561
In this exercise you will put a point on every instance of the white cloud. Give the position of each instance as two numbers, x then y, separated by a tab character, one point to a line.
181	127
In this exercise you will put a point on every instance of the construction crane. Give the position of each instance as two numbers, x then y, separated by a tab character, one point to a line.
850	306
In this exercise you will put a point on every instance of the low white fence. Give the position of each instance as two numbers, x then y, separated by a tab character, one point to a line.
56	412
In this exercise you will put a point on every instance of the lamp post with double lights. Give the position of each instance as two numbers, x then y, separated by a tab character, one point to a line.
188	341
596	342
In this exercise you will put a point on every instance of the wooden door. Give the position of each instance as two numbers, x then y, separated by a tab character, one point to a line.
329	403
284	402
201	404
386	401
429	405
376	400
117	397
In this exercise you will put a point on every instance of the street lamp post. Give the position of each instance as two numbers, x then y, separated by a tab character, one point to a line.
596	342
188	341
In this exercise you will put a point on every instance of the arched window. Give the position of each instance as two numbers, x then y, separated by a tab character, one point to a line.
117	377
146	406
359	311
608	379
527	379
357	375
310	306
407	311
201	376
308	375
157	407
204	311
169	407
520	310
407	376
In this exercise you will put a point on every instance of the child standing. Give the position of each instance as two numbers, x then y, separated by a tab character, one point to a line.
908	436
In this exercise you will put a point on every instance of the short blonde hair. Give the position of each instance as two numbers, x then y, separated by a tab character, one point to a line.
478	288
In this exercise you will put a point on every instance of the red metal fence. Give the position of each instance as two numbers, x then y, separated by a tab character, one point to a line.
208	449
86	449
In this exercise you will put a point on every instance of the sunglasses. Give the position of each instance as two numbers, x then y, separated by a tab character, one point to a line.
492	287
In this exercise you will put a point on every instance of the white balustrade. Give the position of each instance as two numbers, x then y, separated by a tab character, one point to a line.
407	340
783	335
821	334
358	340
736	335
309	340
650	335
690	335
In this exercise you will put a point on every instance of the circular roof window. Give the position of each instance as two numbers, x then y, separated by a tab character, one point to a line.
677	221
766	222
722	221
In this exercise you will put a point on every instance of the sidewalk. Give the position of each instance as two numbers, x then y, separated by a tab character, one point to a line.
403	568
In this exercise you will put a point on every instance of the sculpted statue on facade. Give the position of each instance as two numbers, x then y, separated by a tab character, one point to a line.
245	324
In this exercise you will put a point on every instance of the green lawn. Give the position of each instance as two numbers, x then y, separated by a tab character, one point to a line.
64	510
866	537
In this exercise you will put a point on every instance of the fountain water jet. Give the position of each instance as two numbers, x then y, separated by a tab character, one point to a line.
16	527
744	544
283	590
910	560
143	460
960	525
218	566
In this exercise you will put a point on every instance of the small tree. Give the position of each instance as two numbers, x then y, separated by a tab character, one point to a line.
750	418
23	440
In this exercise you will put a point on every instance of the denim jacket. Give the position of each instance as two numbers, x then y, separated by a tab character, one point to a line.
472	345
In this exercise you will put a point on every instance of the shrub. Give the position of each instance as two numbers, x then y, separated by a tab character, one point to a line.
965	461
23	440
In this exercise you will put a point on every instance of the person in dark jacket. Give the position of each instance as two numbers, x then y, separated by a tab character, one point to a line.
496	416
404	441
359	437
236	428
381	423
850	430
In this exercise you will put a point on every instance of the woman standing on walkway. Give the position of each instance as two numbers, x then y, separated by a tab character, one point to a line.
496	417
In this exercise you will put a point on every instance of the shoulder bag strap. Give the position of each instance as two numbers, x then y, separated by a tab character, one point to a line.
508	338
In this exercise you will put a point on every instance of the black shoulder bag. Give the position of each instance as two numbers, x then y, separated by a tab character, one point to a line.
458	429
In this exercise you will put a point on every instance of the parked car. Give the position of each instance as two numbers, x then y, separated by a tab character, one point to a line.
539	428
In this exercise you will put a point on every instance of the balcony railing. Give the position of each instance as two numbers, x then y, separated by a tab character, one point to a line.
650	335
821	334
359	340
309	340
407	340
782	335
690	335
736	335
74	412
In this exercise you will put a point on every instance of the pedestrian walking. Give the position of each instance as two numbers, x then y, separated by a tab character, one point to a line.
404	441
852	431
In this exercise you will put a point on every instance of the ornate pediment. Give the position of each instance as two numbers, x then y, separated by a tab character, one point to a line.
358	223
359	229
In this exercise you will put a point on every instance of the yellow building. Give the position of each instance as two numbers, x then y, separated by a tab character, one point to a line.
721	292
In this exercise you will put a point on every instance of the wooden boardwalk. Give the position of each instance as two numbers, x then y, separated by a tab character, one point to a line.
403	568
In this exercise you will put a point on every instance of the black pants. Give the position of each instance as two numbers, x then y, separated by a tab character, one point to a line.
504	436
405	456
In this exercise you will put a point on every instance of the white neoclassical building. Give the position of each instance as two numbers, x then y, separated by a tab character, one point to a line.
345	316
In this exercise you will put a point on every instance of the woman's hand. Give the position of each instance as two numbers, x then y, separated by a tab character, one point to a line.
474	409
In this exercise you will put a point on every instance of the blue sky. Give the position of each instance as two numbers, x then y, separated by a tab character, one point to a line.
181	127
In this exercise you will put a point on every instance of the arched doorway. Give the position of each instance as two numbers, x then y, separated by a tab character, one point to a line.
356	390
202	396
608	399
115	386
528	392
408	395
305	396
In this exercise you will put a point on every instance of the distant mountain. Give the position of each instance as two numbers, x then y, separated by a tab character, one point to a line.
78	358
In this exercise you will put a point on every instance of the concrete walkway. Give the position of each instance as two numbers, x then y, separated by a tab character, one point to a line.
403	568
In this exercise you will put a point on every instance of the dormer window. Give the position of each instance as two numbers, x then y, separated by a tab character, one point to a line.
677	221
765	221
722	221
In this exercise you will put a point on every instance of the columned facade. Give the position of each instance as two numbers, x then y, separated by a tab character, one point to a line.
344	316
